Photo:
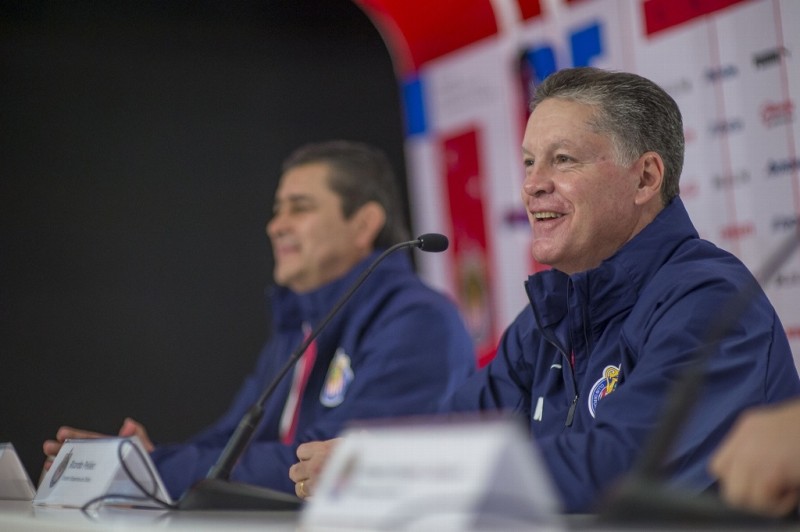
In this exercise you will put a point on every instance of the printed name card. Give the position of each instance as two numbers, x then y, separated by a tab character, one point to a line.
475	474
107	468
15	484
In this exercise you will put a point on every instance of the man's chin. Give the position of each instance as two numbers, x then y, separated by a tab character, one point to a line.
545	256
282	277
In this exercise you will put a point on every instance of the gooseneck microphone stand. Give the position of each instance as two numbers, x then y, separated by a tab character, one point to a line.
217	491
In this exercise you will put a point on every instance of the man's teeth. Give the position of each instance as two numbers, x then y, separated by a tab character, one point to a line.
545	215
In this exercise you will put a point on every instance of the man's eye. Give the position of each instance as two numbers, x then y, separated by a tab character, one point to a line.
291	209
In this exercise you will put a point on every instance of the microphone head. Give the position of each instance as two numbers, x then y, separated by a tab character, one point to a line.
434	242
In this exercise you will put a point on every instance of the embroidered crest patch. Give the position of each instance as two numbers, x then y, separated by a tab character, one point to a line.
339	377
604	386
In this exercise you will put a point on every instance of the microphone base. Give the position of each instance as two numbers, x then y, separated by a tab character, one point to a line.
641	503
216	494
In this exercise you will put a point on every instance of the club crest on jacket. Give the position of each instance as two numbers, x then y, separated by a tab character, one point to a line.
604	386
339	377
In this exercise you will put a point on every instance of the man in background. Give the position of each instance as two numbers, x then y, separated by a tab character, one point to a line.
395	349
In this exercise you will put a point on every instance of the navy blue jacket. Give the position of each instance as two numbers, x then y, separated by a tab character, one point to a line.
591	361
406	345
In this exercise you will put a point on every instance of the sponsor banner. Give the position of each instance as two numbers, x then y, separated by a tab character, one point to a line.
733	66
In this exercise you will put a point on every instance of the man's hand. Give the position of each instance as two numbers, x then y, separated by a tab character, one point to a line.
305	473
758	463
129	428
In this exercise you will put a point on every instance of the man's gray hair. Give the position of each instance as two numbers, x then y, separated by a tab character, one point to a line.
638	115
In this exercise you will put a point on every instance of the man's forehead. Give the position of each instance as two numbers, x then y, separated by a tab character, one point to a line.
304	182
568	131
305	197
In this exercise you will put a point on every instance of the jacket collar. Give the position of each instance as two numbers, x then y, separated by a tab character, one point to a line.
290	309
614	286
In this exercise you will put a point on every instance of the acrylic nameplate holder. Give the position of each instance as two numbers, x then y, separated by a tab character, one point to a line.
431	475
15	484
106	469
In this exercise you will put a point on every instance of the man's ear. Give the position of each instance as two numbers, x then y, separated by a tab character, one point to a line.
651	176
368	221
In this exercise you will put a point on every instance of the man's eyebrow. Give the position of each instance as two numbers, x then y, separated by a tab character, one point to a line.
295	198
554	145
562	143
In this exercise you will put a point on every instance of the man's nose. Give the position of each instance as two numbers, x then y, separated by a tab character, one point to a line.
537	181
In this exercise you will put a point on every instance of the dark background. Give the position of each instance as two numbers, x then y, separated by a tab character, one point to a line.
140	145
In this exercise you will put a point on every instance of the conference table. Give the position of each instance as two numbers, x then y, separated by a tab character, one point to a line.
23	516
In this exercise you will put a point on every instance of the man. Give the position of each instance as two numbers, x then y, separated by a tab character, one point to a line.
758	463
628	302
396	348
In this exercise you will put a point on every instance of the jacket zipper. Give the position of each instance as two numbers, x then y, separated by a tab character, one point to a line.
554	343
571	413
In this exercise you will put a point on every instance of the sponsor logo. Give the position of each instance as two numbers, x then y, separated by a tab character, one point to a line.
721	73
793	332
769	57
690	190
783	223
725	127
515	216
787	279
726	181
777	113
780	167
737	231
678	87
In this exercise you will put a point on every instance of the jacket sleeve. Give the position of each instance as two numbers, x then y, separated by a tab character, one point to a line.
405	359
505	383
182	464
409	358
752	365
264	464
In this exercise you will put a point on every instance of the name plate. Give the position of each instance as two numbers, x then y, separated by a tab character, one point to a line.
15	484
476	474
106	469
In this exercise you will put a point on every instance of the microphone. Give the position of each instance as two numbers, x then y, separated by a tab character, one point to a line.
642	497
216	491
433	242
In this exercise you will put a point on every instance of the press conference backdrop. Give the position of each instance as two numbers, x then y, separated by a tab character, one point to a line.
140	144
733	66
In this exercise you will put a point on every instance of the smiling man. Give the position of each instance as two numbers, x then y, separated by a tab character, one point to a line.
628	302
396	348
583	205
